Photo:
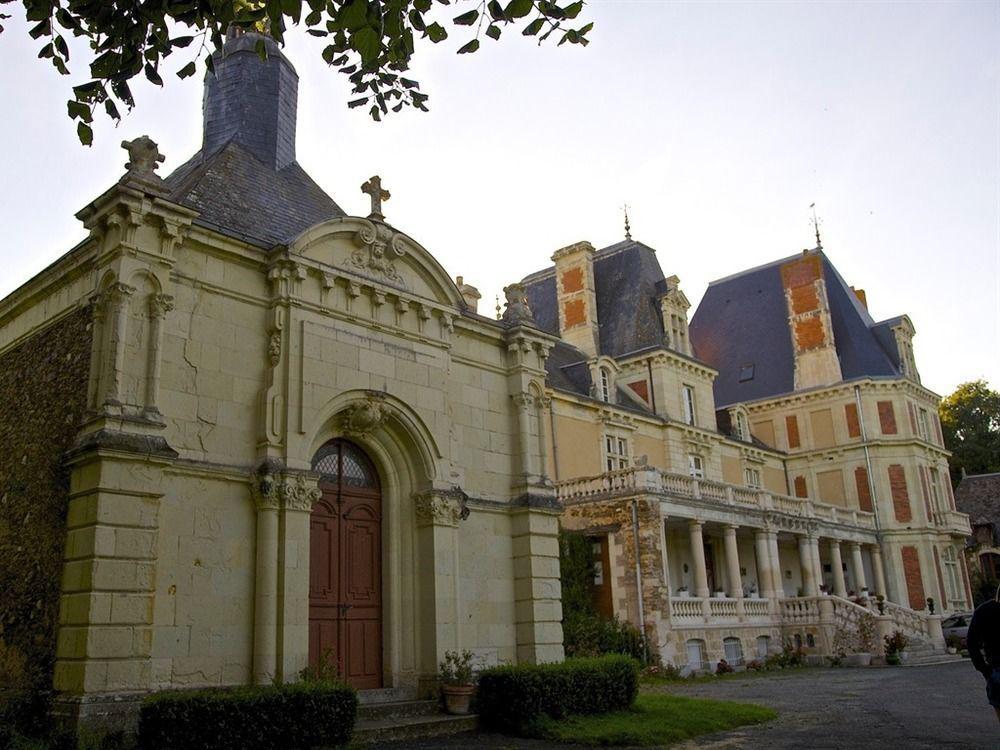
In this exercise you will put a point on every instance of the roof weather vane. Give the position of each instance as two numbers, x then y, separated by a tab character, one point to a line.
628	228
815	223
498	308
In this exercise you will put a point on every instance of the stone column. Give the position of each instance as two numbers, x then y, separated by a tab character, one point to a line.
114	354
733	563
806	566
298	493
857	567
537	590
775	558
524	403
698	560
267	502
878	570
765	574
837	563
437	518
159	306
817	565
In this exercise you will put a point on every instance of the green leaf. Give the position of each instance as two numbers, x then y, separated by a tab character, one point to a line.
368	44
357	102
187	70
534	27
79	110
496	11
422	6
469	47
152	75
466	19
493	31
437	32
84	133
111	109
355	15
573	10
181	41
518	8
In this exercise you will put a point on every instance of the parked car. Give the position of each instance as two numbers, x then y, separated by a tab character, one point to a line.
958	625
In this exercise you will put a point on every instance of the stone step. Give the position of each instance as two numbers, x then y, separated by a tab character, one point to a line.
387	695
371	732
397	710
929	659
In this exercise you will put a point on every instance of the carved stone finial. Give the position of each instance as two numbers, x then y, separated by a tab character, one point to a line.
143	159
517	311
366	416
373	187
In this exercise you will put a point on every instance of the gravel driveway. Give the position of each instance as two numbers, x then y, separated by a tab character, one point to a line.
940	706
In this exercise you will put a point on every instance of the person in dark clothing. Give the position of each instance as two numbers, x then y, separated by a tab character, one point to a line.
983	641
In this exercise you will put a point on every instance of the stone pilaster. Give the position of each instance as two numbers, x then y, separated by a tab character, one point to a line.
437	515
537	590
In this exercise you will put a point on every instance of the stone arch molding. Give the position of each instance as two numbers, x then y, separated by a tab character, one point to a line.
379	252
383	423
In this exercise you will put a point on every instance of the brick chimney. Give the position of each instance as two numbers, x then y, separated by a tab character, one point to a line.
809	322
578	324
251	101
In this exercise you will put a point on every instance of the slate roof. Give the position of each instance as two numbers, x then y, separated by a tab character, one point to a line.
743	320
566	369
628	283
241	197
979	496
245	181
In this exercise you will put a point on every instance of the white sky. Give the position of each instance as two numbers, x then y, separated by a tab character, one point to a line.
718	123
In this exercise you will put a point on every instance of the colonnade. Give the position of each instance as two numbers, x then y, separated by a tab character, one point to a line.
769	573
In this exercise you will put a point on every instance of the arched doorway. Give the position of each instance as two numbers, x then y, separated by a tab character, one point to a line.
345	566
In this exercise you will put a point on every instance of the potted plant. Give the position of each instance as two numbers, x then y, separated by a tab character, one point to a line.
953	643
456	681
895	644
683	592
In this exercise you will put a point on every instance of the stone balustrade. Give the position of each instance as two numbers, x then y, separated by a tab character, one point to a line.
952	520
657	481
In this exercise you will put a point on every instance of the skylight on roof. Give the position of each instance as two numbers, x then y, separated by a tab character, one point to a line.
746	373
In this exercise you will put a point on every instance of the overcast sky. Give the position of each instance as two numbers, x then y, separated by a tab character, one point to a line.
718	123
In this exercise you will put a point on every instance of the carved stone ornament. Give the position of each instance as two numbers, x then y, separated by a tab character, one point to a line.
433	508
517	310
274	348
365	417
378	248
143	159
272	488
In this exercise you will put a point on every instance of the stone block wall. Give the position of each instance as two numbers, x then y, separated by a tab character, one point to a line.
43	384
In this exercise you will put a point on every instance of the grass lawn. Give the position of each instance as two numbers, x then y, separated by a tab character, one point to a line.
654	719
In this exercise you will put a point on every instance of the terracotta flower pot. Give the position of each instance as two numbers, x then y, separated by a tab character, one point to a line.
457	698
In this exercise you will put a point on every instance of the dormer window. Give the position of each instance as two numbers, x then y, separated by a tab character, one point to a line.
747	373
605	386
742	428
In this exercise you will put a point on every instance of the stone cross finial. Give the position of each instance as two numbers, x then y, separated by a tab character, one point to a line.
374	190
143	159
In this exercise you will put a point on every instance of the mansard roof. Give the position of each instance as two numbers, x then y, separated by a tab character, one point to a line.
743	320
628	284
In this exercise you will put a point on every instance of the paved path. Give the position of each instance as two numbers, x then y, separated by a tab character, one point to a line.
942	706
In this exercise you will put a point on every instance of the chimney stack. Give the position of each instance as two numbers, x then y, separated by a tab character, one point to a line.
578	324
469	293
809	322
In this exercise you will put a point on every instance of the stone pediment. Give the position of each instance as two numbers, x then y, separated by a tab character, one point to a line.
377	252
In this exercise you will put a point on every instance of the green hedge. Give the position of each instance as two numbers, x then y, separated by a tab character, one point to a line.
301	715
511	697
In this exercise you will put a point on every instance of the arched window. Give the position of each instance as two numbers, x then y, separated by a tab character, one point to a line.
733	649
696	654
343	463
763	646
605	385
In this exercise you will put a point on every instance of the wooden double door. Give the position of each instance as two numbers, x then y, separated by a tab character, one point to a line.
345	567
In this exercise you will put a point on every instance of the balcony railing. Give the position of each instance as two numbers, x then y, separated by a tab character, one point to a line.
656	481
952	520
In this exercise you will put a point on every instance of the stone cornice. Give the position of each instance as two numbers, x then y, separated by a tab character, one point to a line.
835	391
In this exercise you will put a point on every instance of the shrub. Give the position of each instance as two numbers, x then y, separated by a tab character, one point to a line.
456	669
896	643
592	635
724	667
511	697
300	715
953	641
791	655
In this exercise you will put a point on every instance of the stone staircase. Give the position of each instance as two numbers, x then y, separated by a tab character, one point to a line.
394	714
921	652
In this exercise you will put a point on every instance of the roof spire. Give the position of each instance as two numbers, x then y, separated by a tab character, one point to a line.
815	222
628	228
